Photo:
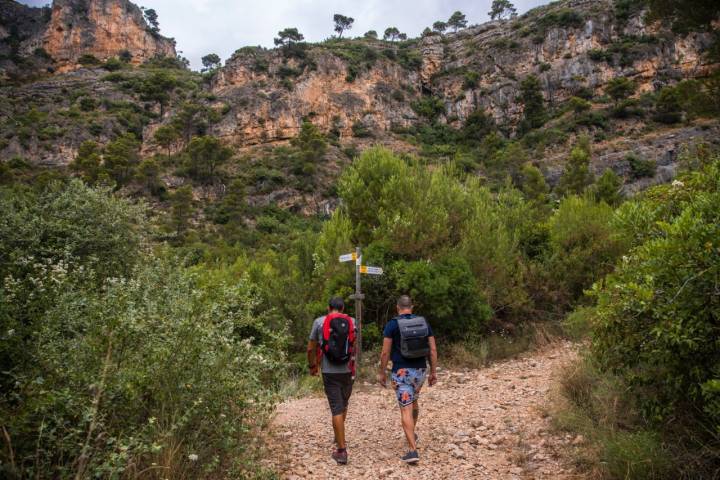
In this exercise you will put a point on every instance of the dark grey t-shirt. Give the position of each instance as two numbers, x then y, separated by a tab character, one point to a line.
316	335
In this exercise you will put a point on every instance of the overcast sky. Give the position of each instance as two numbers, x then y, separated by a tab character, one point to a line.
223	26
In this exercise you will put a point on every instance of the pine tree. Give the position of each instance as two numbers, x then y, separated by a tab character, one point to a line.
87	162
533	184
533	104
211	62
502	9
288	37
166	137
439	26
342	23
608	188
181	210
457	21
576	176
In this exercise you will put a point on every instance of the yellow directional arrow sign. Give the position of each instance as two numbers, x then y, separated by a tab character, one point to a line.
371	270
348	257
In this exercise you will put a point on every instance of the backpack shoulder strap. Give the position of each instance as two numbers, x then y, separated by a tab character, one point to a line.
326	326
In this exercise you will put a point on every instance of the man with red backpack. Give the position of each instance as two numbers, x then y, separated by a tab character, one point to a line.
332	348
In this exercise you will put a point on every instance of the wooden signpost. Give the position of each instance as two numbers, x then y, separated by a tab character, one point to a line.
358	295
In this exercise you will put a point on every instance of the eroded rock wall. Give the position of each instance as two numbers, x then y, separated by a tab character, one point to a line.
102	28
267	107
480	67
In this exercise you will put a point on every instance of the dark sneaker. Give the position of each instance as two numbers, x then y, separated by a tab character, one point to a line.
340	456
411	457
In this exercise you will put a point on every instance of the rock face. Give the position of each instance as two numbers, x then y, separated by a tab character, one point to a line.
73	28
269	99
574	47
102	28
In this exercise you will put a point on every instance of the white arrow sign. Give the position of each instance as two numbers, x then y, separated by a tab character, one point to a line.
371	270
348	257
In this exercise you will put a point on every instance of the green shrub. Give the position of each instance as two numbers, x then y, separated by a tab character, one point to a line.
608	188
113	64
132	380
360	130
640	167
576	176
88	60
446	292
578	324
599	55
578	105
88	104
667	106
561	18
582	246
470	80
429	108
668	353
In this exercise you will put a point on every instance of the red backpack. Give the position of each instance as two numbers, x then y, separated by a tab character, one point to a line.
338	338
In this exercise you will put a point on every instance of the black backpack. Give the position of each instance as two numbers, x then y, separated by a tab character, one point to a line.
414	333
338	338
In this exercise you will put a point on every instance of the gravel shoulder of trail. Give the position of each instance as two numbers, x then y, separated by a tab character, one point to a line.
488	423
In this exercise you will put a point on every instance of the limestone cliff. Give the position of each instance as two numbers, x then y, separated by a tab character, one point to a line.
574	47
270	95
54	39
102	28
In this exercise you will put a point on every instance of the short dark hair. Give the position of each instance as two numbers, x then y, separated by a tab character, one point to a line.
404	302
337	303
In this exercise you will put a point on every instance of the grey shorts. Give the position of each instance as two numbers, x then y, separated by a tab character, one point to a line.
338	388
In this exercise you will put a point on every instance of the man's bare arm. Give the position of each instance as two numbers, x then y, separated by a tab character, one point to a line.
384	358
433	361
312	356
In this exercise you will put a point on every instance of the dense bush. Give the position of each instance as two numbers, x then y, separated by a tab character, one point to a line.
116	361
647	395
582	246
667	286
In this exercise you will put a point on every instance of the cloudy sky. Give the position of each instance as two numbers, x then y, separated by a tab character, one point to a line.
222	26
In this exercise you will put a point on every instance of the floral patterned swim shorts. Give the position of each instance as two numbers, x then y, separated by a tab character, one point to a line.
407	383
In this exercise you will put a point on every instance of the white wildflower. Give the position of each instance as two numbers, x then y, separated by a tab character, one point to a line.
677	184
193	457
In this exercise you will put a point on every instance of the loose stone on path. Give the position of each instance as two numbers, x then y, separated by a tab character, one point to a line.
477	427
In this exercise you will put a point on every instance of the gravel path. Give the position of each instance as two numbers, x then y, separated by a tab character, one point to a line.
486	423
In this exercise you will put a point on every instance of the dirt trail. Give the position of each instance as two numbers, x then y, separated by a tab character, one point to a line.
486	423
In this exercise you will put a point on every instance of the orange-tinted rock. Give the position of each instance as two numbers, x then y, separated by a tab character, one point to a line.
102	28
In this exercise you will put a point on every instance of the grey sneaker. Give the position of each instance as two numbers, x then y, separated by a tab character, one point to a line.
411	457
341	457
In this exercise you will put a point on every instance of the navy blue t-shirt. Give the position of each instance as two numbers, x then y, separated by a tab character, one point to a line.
392	330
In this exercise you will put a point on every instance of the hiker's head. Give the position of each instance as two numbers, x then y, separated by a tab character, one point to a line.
336	304
404	304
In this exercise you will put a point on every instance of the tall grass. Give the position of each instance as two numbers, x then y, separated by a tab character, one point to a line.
618	444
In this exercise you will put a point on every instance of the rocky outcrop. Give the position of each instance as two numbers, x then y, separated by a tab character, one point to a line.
270	95
574	47
102	28
53	39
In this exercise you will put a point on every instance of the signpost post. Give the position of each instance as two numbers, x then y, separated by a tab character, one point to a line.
358	295
358	302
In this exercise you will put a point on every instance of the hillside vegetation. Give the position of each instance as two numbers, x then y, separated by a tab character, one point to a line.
168	236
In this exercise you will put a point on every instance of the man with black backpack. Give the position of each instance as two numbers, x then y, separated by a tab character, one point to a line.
408	341
332	345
